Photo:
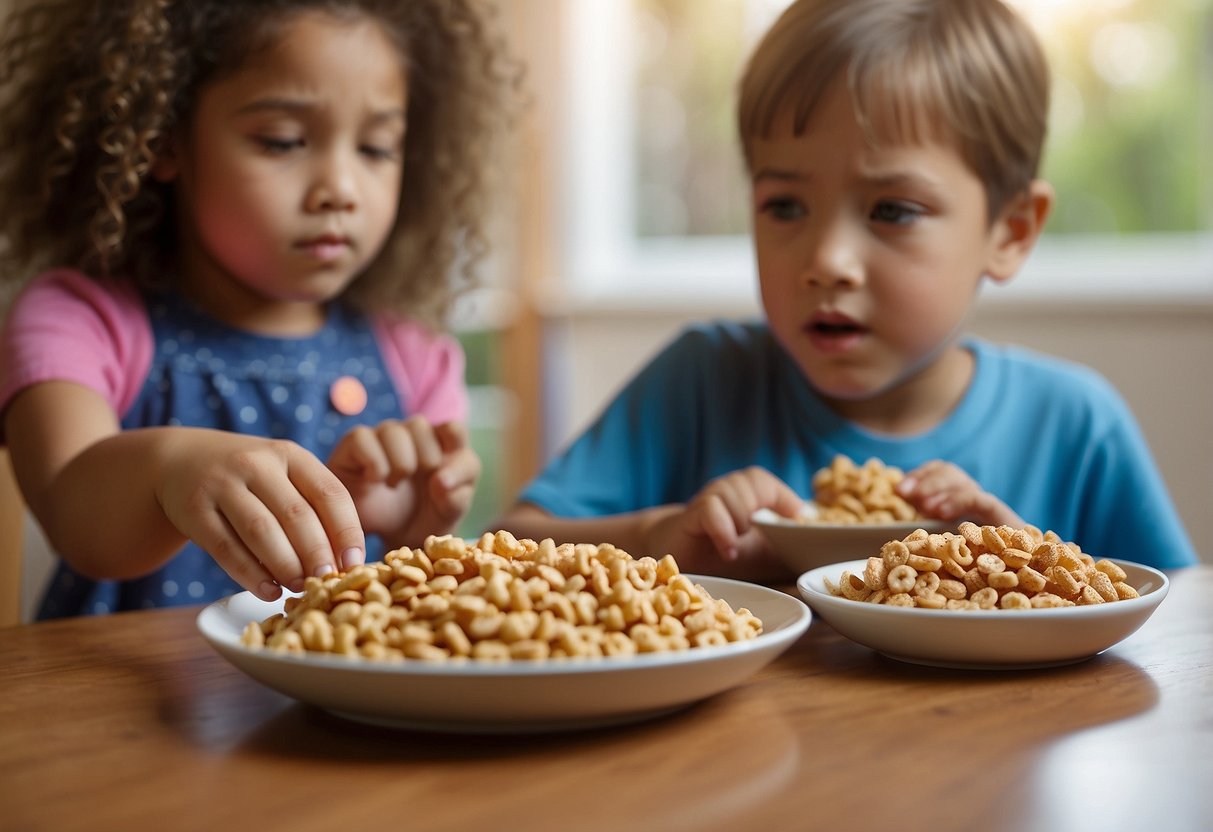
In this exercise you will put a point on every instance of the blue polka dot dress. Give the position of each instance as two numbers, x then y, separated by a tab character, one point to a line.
206	374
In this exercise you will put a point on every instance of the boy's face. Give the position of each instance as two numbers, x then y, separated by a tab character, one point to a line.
288	178
868	258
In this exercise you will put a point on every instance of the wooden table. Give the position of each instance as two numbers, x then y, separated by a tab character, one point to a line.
133	722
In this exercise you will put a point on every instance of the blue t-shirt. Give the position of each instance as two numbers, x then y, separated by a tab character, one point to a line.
1053	440
206	374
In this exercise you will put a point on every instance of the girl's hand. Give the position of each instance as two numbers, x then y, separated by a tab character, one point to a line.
942	490
268	511
409	479
715	525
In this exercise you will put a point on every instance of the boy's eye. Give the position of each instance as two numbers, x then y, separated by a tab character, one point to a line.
784	209
895	213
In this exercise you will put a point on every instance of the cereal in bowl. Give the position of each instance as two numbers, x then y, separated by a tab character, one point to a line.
984	568
500	598
848	494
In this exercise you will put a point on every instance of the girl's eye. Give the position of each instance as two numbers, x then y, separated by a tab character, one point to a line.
783	209
276	145
895	213
380	153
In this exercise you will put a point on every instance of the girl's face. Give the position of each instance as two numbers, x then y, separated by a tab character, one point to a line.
869	257
288	178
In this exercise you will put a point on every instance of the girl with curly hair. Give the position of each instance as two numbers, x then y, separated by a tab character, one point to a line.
234	230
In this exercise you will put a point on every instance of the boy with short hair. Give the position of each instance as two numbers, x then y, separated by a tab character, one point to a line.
893	149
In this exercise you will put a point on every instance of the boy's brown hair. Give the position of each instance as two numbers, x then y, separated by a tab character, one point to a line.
970	73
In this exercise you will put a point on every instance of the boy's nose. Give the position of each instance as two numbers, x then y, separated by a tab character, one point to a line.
832	260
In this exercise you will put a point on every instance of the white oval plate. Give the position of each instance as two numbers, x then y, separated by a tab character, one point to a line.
512	697
985	639
804	545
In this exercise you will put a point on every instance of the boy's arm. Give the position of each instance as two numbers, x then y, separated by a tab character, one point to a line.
118	504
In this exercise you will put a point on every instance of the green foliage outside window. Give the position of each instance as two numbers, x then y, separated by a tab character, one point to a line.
1131	132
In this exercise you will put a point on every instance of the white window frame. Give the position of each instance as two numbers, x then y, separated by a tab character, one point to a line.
603	263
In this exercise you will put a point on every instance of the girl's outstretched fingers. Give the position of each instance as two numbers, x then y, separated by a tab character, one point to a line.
333	506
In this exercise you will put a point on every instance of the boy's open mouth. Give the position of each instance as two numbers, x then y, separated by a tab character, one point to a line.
834	324
834	332
835	329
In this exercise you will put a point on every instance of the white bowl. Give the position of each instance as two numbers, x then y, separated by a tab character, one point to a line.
803	545
518	696
985	639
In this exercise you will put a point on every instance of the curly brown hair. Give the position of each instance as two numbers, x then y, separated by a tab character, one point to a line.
90	89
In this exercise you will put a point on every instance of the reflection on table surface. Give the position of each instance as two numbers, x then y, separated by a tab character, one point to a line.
112	723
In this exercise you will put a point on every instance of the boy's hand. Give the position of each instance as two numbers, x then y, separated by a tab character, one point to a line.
716	525
942	490
409	479
268	511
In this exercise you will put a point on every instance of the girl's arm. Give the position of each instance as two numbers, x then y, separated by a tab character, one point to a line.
119	504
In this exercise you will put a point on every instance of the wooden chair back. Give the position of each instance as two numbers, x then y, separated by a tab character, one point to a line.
12	543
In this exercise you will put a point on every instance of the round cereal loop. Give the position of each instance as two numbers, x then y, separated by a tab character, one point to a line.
1088	595
922	563
986	598
952	590
1003	580
1124	590
1015	558
1030	580
988	564
874	574
1111	569
901	579
971	532
853	587
894	553
926	584
963	604
1015	601
1101	583
992	539
1065	582
956	549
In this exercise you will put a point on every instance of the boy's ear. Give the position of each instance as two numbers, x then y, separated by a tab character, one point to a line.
1017	229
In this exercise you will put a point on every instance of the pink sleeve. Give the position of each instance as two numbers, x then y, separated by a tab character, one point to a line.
427	368
65	326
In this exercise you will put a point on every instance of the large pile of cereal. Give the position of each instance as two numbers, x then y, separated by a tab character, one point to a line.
847	494
984	567
502	598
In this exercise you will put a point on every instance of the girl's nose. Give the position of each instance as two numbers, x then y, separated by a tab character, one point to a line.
333	189
833	258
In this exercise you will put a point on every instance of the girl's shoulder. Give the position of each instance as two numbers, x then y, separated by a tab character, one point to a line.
72	293
426	365
67	326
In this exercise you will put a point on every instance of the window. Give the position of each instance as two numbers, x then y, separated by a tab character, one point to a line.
657	196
